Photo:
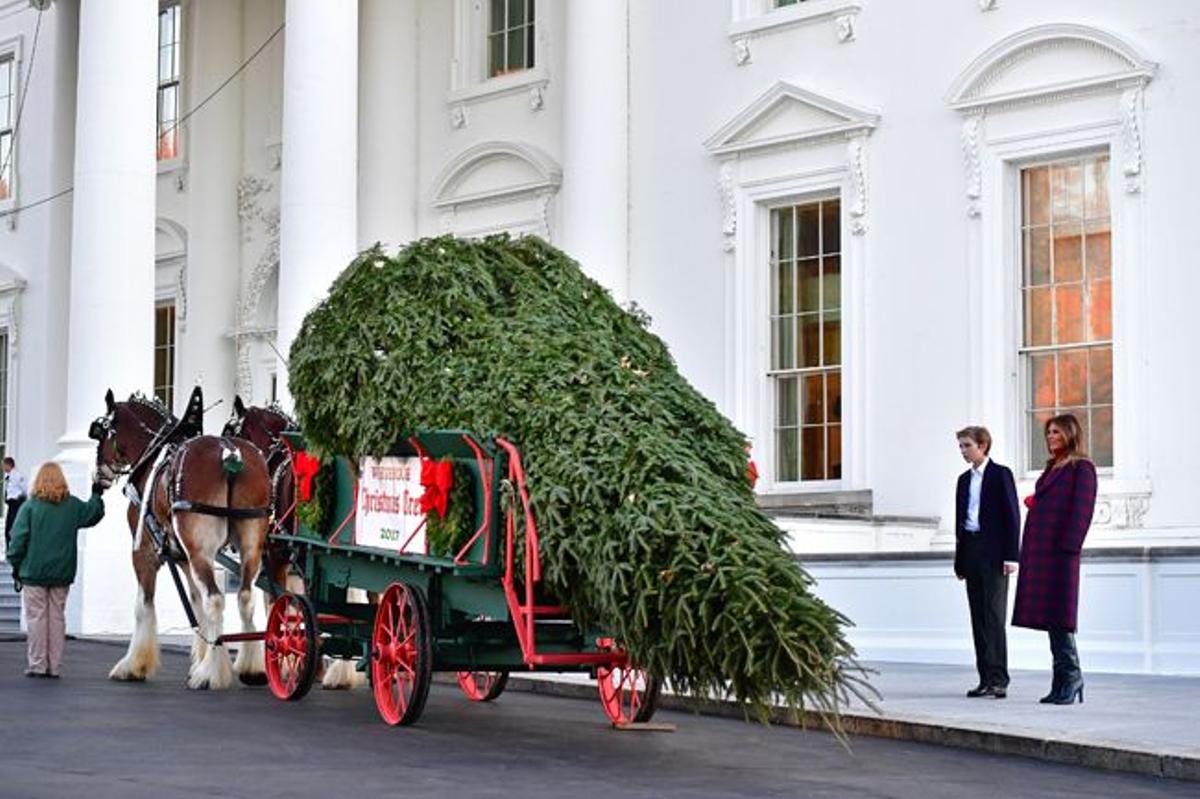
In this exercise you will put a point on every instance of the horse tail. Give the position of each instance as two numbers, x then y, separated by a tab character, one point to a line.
148	499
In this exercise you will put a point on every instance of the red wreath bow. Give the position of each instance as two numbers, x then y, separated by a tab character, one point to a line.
751	473
436	478
306	467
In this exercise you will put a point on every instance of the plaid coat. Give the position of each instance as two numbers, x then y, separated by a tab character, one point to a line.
1058	521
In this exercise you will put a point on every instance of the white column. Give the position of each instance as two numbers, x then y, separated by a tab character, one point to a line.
318	193
387	136
595	187
111	306
214	32
111	339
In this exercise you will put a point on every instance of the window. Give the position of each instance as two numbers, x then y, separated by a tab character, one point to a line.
3	393
806	340
7	112
782	3
1066	288
510	36
170	19
164	354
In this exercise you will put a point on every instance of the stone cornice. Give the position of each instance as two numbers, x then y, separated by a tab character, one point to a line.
850	121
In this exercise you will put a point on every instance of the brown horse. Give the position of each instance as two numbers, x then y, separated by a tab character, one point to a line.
188	499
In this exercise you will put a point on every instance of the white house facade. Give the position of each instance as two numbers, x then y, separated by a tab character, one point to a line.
859	225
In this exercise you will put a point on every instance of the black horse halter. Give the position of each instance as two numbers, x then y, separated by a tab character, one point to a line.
104	428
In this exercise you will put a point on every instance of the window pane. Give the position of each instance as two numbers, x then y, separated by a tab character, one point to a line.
784	343
787	406
1068	314
831	226
785	288
832	289
165	26
1096	188
1073	377
1041	381
808	223
1066	192
1068	253
814	399
529	39
1100	310
495	54
164	63
1036	199
1102	436
810	340
1037	317
1100	375
810	284
812	455
784	246
516	13
833	395
835	451
833	339
516	50
786	455
1037	437
496	19
1037	256
1098	249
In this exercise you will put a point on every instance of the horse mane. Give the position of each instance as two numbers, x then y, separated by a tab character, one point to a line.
150	409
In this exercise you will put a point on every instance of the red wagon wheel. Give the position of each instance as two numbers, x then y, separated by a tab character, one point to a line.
482	686
628	695
401	655
290	646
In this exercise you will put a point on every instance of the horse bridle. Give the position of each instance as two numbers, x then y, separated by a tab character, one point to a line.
104	428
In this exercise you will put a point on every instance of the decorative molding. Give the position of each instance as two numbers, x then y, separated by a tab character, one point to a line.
458	116
12	286
181	297
725	185
1121	511
972	135
741	51
973	89
847	120
548	174
755	20
537	98
843	25
988	5
250	190
1131	138
857	159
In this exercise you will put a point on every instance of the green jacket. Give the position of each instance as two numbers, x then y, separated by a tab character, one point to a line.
42	550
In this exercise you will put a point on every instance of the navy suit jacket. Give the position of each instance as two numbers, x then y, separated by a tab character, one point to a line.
999	516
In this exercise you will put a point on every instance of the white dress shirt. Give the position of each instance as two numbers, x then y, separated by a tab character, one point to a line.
14	486
972	522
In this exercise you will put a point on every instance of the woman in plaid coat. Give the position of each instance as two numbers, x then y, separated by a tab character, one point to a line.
1060	513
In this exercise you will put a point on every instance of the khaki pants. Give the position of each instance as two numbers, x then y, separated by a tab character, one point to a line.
44	616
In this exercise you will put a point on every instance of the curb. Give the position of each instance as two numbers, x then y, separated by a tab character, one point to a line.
1109	756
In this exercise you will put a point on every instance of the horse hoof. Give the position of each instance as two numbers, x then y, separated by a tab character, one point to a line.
253	679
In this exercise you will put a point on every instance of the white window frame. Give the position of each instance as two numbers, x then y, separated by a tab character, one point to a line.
12	48
169	302
469	82
11	289
177	162
748	307
750	19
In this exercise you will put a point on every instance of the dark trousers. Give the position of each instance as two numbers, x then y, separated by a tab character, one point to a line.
1066	657
10	516
987	595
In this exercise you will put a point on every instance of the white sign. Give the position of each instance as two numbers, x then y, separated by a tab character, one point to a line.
389	505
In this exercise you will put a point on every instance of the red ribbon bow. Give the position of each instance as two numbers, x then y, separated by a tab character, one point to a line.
1029	501
437	477
305	467
751	473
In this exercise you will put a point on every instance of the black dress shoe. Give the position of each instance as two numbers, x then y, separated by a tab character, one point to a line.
999	691
979	690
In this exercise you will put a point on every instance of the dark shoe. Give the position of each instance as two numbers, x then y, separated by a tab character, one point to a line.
999	692
33	674
979	690
50	676
1069	693
1055	689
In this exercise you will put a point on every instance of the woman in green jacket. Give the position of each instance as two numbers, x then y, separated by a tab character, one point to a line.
43	556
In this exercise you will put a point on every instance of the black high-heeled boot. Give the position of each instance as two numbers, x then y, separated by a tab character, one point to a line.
1070	690
1055	689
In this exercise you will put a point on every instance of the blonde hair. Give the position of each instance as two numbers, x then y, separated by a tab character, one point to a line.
50	484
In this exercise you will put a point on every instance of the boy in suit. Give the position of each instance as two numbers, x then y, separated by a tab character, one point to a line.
987	534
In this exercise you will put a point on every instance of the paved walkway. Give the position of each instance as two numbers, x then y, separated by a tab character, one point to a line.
1136	723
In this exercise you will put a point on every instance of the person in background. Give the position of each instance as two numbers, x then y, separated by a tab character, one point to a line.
987	526
15	493
43	558
1060	515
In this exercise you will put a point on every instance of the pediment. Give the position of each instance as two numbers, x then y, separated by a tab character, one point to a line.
1048	61
170	239
10	280
788	114
493	170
